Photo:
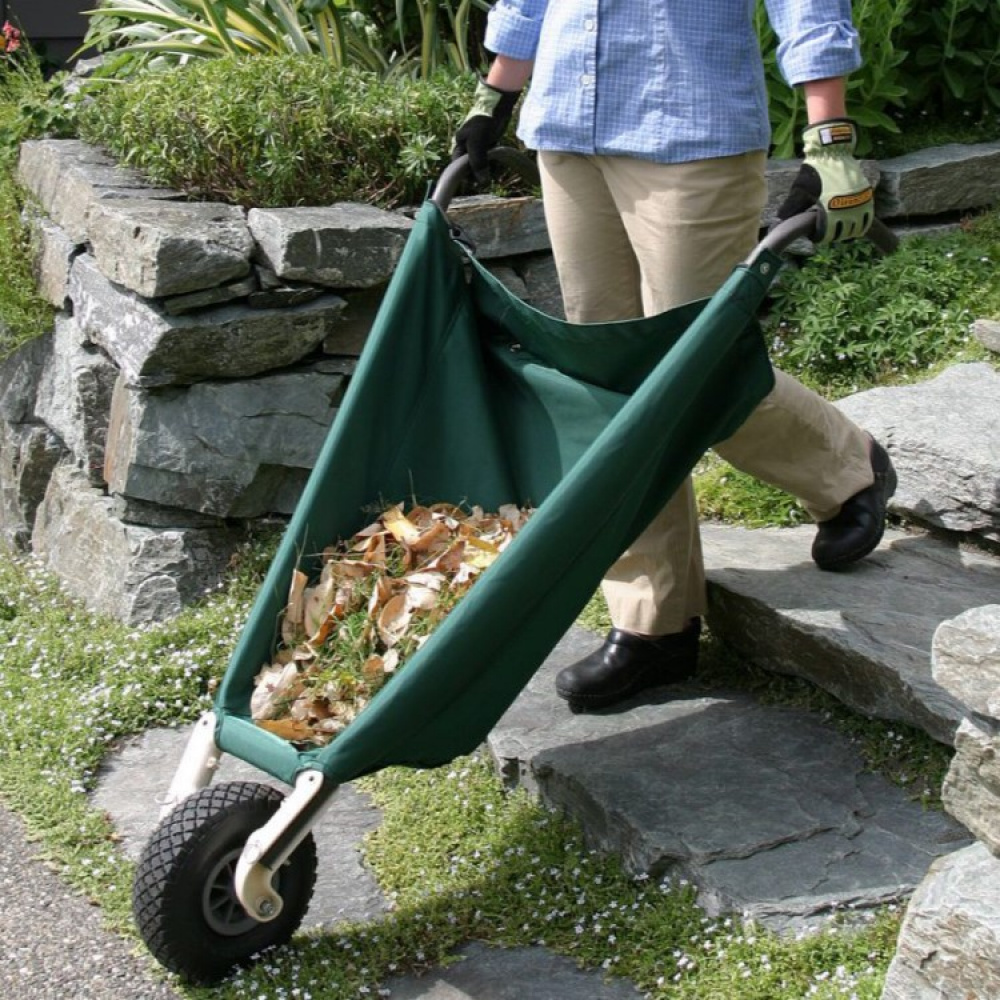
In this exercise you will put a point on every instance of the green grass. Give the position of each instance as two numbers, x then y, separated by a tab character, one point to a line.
501	870
917	132
24	314
72	684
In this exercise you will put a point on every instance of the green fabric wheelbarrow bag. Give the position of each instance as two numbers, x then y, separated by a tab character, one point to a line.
466	394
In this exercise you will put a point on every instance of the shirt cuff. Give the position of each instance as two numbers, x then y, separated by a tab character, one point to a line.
513	29
830	50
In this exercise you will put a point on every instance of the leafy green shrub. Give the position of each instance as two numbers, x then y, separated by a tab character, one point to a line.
849	317
26	110
874	91
921	58
281	130
953	66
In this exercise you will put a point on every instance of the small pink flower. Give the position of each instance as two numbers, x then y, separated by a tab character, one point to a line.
12	37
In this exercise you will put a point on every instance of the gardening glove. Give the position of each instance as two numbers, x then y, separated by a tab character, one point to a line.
831	177
483	127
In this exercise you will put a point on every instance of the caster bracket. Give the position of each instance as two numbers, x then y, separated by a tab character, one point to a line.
197	767
268	848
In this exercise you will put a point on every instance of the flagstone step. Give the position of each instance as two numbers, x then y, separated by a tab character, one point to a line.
767	810
863	634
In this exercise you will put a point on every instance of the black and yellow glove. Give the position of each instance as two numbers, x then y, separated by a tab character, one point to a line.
484	127
831	177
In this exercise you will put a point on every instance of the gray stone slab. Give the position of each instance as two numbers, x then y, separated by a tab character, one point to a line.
950	940
135	779
767	810
28	454
245	288
483	973
500	227
542	285
349	336
341	246
532	278
74	396
158	248
132	573
950	178
987	332
154	515
29	450
965	654
68	177
53	253
944	439
863	634
20	373
230	341
971	791
239	448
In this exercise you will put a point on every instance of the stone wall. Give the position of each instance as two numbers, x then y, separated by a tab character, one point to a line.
198	357
200	353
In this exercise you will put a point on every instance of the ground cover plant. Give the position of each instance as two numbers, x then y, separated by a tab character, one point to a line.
848	320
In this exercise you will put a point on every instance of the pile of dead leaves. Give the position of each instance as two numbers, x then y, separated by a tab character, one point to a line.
377	600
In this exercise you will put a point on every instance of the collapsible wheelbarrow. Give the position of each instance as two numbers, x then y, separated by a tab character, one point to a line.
463	394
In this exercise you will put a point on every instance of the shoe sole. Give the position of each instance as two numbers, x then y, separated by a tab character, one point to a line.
581	703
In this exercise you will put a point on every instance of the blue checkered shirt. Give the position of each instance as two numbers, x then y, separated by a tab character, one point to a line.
665	80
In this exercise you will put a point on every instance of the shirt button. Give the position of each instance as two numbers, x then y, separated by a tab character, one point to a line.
586	80
590	24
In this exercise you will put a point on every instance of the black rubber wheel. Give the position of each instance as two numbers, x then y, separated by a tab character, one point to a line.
184	896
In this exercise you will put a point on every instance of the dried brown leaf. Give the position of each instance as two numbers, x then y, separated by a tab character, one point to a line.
288	729
400	526
274	685
393	620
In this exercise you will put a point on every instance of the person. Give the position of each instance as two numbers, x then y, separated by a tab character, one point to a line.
649	118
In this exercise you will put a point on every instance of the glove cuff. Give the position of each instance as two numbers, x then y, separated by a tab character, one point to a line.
492	102
830	137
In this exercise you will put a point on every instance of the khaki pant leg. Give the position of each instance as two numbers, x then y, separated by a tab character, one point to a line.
803	444
685	226
598	271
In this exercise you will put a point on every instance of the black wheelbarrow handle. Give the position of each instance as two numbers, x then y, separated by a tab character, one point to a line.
453	175
780	237
806	224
